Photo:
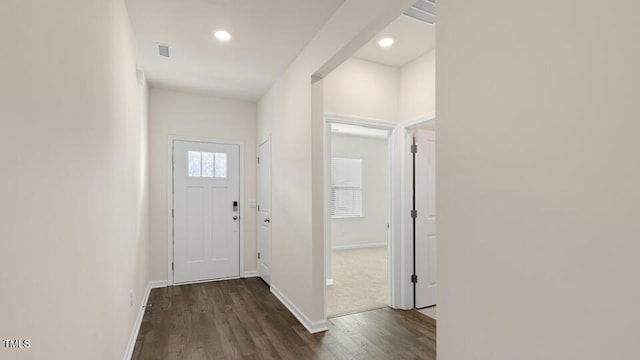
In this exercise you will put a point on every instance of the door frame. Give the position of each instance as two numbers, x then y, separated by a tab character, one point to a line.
331	118
403	131
241	200
260	142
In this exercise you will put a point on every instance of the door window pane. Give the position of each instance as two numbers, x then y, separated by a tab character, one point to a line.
221	165
194	163
207	164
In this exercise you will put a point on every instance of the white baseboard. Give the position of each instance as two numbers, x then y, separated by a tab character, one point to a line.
252	273
312	327
138	322
359	246
157	284
329	282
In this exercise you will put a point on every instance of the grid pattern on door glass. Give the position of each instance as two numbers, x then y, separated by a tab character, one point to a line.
207	164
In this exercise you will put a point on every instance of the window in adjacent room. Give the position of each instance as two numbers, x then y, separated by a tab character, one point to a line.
346	187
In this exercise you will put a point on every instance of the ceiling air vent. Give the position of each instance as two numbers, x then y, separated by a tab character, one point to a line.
164	51
423	10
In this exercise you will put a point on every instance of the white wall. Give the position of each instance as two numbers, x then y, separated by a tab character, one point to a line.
180	113
364	89
286	112
417	89
538	173
73	220
371	228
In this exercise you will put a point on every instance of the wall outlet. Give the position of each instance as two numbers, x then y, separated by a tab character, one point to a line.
130	298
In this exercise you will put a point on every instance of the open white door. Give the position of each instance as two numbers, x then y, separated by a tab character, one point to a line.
206	188
426	220
264	211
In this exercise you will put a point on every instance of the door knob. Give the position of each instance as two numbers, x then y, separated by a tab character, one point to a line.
235	218
267	220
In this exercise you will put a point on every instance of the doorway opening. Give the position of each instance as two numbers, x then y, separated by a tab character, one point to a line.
388	83
205	216
359	196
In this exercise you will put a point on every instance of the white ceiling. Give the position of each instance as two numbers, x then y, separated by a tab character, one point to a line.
266	37
412	39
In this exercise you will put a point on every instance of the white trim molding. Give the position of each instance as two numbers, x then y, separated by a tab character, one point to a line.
312	327
206	281
394	239
358	120
251	273
157	284
138	323
419	121
359	246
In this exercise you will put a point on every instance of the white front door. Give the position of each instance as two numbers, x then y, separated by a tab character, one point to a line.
426	220
206	217
264	211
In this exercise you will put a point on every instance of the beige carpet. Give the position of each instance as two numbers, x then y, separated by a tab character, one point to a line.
430	312
360	281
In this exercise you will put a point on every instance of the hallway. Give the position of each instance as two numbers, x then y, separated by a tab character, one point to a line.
241	319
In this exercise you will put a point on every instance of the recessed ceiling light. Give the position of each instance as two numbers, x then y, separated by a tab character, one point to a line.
222	35
386	41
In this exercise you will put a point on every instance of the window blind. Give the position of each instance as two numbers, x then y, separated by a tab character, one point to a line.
346	187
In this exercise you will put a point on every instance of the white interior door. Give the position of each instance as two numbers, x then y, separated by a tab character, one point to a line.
264	211
426	221
206	217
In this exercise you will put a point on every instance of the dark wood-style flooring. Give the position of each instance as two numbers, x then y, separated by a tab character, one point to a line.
241	319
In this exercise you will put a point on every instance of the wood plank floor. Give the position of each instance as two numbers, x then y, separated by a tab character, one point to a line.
241	319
